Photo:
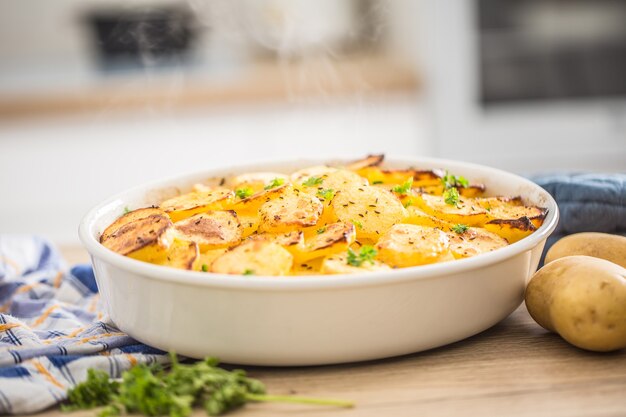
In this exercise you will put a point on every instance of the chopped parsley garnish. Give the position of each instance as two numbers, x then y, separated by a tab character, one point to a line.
404	188
327	194
312	182
276	182
153	391
126	210
408	203
451	196
357	224
377	182
460	228
243	192
248	272
366	254
321	230
205	268
450	181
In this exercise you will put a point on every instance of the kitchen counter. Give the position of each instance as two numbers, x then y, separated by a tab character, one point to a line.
516	368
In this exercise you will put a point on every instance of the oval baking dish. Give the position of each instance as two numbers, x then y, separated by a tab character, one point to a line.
316	319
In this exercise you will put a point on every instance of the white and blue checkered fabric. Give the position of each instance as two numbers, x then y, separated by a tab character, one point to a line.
52	328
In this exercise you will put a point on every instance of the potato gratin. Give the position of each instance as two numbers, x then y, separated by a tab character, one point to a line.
323	220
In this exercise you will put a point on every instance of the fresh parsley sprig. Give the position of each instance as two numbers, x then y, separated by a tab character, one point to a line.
460	228
244	192
450	180
451	196
367	253
276	182
153	391
404	188
313	181
327	194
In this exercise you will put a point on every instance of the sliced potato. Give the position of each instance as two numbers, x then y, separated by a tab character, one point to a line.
474	241
300	176
211	230
145	238
372	210
330	239
472	190
511	230
338	264
466	211
376	175
368	161
205	259
310	267
181	255
334	182
254	257
409	245
186	205
290	212
256	181
293	238
504	208
255	201
420	218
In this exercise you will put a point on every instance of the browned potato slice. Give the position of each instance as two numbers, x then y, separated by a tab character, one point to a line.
474	241
293	238
181	255
503	208
142	234
466	211
254	257
338	264
211	230
289	212
186	205
511	230
420	218
327	240
256	200
372	210
408	245
256	181
368	161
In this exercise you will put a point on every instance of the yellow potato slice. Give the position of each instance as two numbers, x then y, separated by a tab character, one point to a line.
251	204
376	175
504	208
511	230
310	267
420	218
474	241
466	211
300	176
143	234
409	245
290	212
368	161
186	205
181	255
254	257
205	259
293	238
330	239
256	181
338	264
211	230
372	210
472	190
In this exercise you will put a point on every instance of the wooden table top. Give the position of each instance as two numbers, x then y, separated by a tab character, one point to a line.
516	368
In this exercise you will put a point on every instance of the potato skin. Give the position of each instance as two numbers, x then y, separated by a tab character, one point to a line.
599	245
583	299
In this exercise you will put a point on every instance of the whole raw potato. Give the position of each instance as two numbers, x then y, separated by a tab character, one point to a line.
599	245
583	299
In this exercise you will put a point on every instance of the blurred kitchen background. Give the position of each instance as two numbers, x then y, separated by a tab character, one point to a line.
100	95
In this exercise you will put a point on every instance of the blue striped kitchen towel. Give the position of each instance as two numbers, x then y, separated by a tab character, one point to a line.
52	328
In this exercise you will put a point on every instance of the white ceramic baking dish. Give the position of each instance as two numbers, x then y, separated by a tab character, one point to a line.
313	320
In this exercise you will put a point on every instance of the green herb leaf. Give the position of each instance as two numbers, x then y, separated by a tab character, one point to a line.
126	210
244	192
450	180
312	181
460	228
321	230
357	224
276	182
404	188
366	254
377	182
205	268
150	390
451	196
408	203
327	194
248	272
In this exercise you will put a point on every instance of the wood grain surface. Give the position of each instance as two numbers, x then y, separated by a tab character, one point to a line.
516	368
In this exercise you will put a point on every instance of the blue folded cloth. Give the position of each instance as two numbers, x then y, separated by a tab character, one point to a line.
52	328
587	203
